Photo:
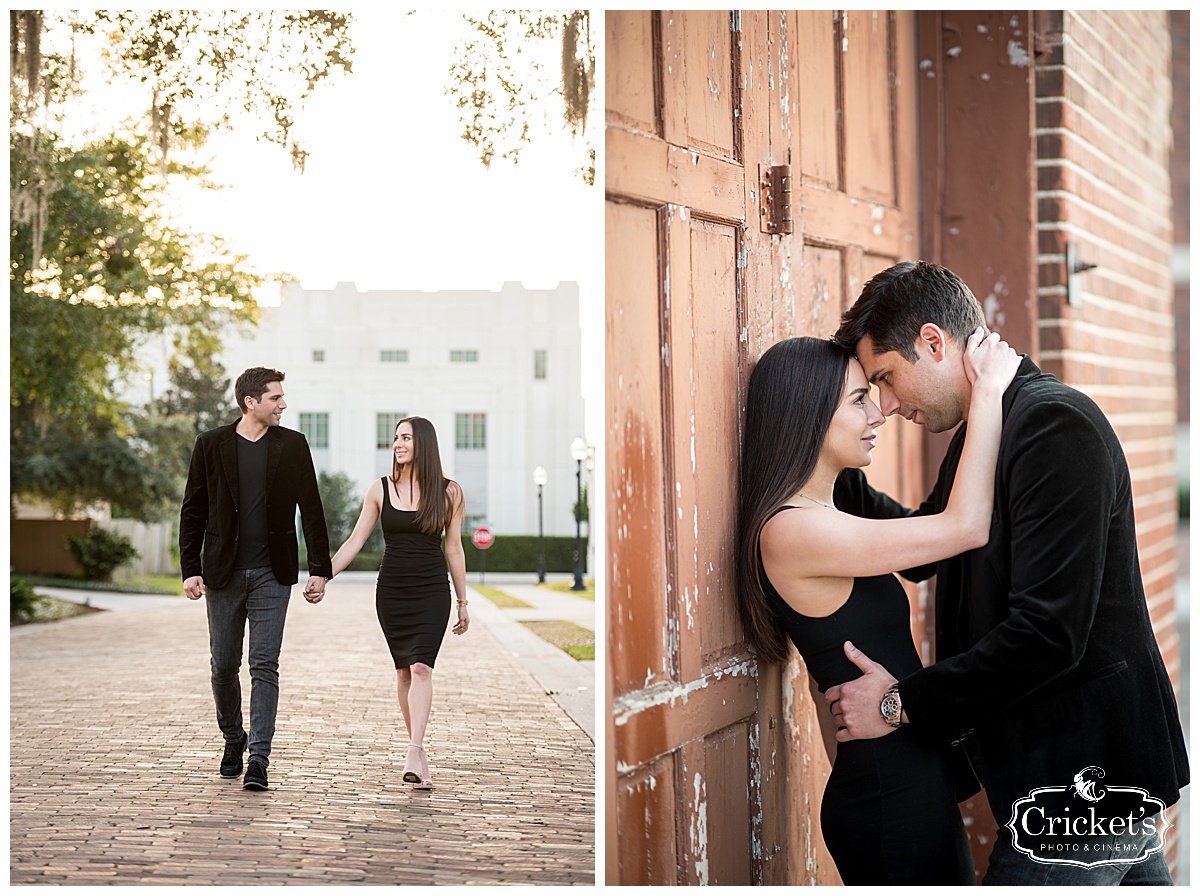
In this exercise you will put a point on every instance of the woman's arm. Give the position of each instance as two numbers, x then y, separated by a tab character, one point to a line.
372	505
456	559
817	542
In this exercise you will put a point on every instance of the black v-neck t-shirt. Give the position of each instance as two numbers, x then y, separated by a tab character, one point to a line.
252	504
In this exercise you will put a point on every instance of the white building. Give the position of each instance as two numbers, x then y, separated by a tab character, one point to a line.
497	373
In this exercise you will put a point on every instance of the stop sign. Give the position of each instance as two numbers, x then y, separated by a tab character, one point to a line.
482	538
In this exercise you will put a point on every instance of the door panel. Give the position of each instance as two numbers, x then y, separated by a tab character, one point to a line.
705	432
816	42
635	453
645	809
866	62
704	92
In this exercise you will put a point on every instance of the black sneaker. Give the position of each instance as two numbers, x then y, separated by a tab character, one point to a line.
256	775
231	762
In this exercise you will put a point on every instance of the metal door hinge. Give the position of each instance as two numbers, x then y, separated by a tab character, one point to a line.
775	197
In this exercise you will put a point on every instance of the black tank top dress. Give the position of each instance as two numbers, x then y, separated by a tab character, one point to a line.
889	814
412	594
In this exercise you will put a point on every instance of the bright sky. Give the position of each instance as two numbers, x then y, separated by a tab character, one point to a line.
393	198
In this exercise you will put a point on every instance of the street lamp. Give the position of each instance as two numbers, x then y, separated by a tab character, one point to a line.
540	479
579	451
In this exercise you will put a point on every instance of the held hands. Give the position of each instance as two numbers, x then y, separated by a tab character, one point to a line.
464	620
315	589
194	587
855	704
989	360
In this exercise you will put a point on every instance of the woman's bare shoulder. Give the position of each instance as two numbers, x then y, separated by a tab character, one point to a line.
789	526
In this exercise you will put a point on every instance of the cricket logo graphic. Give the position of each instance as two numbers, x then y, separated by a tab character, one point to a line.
1087	784
1088	824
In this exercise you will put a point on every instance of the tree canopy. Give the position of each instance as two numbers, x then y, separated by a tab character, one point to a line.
503	91
96	262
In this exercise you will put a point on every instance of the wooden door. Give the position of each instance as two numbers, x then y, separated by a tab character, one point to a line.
715	764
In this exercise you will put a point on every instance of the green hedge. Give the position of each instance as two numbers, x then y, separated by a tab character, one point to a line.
518	553
508	553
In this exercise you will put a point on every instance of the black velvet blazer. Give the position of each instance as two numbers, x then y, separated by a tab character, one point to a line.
1045	649
208	522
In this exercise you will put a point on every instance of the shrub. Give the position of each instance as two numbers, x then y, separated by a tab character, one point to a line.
508	553
518	553
100	552
23	601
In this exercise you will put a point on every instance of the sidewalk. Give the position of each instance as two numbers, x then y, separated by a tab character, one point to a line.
114	752
571	682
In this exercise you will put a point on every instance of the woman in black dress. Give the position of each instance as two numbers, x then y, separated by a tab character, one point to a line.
811	570
417	504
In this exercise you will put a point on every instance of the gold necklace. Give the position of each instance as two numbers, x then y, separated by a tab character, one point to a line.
815	501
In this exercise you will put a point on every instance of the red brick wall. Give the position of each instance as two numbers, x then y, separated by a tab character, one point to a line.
1104	142
1181	184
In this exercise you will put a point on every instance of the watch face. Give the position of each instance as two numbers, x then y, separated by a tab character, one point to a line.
890	707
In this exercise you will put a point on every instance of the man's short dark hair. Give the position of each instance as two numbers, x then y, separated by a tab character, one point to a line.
253	383
897	302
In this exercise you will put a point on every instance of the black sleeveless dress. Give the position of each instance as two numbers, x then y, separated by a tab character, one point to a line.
412	595
889	814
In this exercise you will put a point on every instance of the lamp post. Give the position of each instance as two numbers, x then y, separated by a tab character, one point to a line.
579	451
540	479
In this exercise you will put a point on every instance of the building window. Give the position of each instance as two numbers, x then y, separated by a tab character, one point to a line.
385	428
470	432
464	356
471	465
318	355
394	356
316	429
539	364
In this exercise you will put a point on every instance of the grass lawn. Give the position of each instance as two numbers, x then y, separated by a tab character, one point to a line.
139	585
155	584
499	598
589	592
574	639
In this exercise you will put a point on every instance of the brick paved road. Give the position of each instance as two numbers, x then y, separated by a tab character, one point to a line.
114	754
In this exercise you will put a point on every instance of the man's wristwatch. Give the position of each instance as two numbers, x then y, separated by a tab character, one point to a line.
891	707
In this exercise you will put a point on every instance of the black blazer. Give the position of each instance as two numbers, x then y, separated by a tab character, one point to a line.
209	518
1044	644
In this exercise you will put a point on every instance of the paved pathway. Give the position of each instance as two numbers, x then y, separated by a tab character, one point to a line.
572	683
114	752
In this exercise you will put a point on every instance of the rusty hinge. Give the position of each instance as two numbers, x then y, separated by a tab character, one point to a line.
775	197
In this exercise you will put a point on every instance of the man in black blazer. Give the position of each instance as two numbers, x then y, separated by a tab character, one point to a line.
1047	663
237	546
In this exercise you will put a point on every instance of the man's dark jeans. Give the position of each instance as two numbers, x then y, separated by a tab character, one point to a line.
256	595
1007	866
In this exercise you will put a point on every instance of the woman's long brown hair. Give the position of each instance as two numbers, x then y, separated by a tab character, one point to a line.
793	392
433	516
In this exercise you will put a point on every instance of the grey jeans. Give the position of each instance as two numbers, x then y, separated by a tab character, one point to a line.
257	596
1008	866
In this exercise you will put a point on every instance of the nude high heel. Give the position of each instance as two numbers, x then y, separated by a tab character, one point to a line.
411	776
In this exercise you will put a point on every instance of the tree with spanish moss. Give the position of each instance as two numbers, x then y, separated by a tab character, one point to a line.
504	92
